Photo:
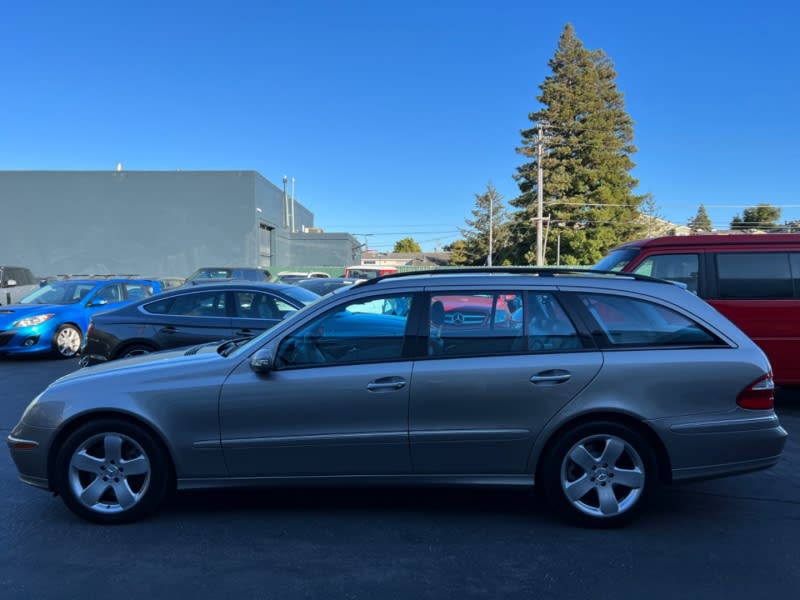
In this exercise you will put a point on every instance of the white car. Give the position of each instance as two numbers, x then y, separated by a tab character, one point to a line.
15	283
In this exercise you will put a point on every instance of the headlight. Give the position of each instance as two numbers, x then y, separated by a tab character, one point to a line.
31	321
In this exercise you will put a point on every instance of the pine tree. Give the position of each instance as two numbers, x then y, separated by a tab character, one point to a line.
476	236
701	221
458	255
588	138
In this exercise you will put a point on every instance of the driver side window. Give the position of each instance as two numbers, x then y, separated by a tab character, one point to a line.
361	331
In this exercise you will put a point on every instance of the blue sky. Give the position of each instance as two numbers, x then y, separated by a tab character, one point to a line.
392	116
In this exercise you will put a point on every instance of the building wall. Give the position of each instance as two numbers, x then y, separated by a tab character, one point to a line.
155	223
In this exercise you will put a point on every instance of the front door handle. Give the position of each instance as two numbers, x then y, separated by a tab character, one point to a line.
551	376
245	332
386	384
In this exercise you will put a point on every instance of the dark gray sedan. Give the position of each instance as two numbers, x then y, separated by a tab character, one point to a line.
599	389
190	316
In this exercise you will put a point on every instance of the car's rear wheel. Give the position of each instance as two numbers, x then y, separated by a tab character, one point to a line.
599	474
112	471
67	341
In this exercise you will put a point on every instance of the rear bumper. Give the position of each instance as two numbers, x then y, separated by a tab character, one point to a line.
737	442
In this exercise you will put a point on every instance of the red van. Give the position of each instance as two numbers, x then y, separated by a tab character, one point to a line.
753	279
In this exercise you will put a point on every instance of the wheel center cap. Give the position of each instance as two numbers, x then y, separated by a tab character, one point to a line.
111	470
602	477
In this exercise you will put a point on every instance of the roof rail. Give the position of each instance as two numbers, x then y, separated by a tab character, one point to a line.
534	271
68	276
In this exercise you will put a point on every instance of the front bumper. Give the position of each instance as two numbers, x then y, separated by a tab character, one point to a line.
24	340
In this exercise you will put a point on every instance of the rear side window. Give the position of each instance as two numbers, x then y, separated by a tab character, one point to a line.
477	323
626	322
760	275
202	304
675	267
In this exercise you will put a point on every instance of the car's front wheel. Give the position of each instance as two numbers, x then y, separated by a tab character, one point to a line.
111	471
599	474
67	341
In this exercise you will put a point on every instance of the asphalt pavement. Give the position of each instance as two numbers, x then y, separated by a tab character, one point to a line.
727	538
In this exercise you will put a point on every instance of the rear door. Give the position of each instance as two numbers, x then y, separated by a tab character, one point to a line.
189	319
254	312
499	366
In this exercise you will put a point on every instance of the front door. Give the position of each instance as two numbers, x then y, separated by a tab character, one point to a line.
336	402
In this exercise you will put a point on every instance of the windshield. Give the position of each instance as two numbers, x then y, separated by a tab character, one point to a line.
616	259
210	274
59	293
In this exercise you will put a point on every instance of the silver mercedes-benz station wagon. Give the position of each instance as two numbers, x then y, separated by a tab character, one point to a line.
598	388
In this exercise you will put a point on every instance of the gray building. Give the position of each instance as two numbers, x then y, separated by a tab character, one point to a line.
158	223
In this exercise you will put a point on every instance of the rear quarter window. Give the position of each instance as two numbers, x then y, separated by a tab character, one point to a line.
625	322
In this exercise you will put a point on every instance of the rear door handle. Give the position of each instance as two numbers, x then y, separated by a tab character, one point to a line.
552	376
386	384
169	329
247	332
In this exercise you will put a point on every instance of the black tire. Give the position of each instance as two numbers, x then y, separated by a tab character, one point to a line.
90	472
611	485
135	350
67	341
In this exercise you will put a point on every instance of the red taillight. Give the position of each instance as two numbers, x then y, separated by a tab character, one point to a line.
759	395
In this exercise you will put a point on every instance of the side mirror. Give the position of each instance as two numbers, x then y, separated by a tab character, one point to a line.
11	283
261	361
98	303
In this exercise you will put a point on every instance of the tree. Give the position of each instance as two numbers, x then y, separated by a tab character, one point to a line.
762	216
588	140
407	244
458	254
701	221
476	236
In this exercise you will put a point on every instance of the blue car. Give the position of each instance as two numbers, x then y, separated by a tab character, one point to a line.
54	318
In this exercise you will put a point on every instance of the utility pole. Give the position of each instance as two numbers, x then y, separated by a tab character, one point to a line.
285	204
491	211
292	211
539	197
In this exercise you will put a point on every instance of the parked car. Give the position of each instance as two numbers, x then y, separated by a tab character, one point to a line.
54	317
295	276
322	286
751	278
189	316
654	387
204	274
16	283
368	271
